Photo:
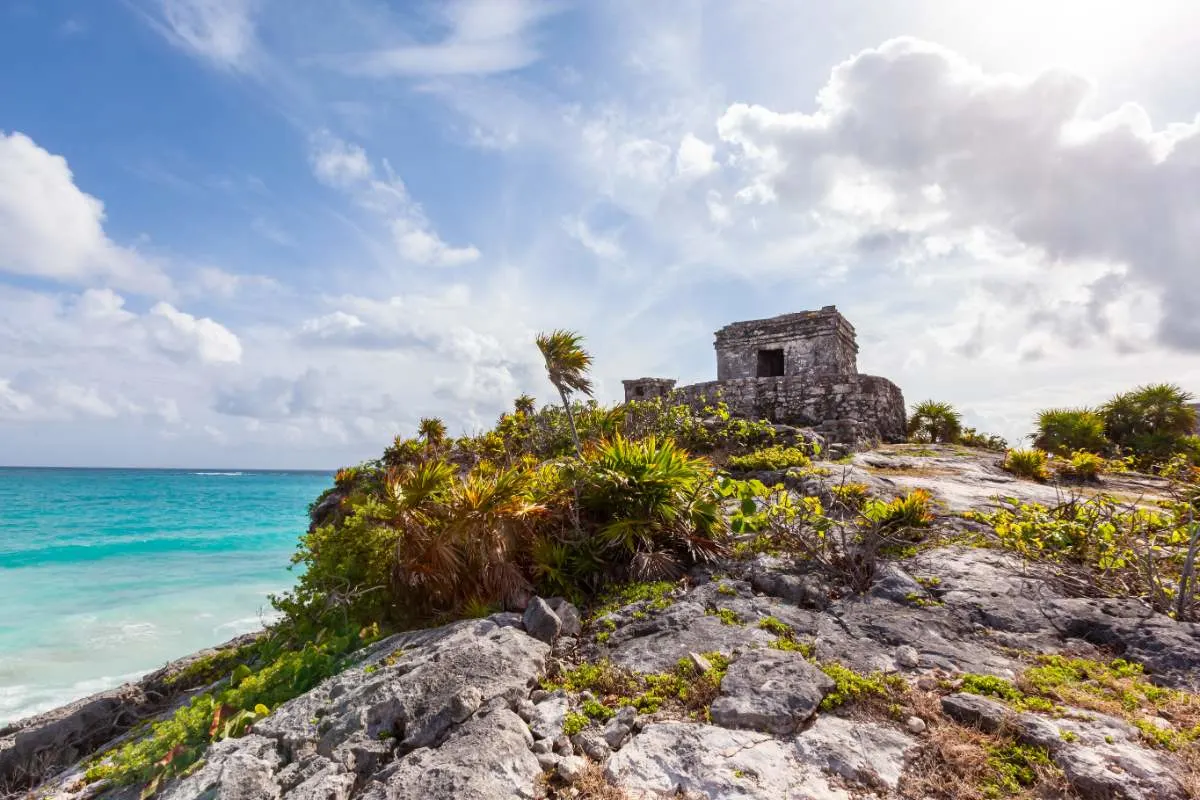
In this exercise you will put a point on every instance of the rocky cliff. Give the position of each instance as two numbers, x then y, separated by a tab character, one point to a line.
961	671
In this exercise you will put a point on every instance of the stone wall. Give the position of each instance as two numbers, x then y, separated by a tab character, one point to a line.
1196	406
813	343
647	388
855	409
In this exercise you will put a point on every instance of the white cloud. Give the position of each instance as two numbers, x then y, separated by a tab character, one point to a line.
484	37
1015	155
35	326
338	163
183	336
213	281
346	166
50	229
35	396
417	243
694	159
607	247
221	31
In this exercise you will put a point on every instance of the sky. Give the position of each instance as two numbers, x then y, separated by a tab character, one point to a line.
277	233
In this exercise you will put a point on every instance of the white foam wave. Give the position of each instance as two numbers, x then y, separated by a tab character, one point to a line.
236	627
232	474
21	700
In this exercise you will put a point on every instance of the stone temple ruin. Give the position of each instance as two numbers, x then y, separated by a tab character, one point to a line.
796	369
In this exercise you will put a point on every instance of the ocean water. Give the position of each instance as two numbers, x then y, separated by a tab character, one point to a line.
108	574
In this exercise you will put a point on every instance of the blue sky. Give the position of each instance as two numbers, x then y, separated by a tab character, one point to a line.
273	234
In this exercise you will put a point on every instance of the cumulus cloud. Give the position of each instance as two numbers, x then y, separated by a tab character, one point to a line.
36	396
694	158
346	166
912	138
34	325
183	336
483	37
51	229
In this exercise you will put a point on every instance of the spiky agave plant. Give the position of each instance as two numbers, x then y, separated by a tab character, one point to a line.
460	537
932	421
651	501
567	365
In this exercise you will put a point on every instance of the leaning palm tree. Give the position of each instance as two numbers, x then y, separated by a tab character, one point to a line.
567	365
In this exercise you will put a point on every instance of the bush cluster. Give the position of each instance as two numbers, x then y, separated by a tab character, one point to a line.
1127	551
1151	424
431	538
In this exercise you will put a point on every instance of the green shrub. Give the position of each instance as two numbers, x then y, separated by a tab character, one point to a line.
597	710
769	458
934	422
985	441
709	429
1013	767
1082	466
652	506
1151	422
1112	541
1062	431
1030	464
850	686
853	495
775	626
913	510
174	744
574	722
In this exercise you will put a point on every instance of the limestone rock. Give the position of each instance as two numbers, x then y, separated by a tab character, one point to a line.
978	712
571	768
417	699
710	761
1102	756
568	615
591	743
615	733
541	622
868	754
548	717
488	758
234	769
907	657
770	690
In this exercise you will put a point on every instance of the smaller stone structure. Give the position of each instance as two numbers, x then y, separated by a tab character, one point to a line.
797	369
1196	408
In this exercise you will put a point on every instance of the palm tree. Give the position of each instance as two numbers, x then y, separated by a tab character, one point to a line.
567	364
933	422
432	430
524	405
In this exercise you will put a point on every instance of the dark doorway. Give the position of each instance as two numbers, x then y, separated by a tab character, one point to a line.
770	363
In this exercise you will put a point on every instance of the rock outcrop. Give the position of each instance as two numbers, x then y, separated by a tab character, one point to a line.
467	711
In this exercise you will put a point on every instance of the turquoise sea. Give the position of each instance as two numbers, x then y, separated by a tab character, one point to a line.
106	574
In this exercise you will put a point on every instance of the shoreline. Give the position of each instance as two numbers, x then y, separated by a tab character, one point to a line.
34	748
